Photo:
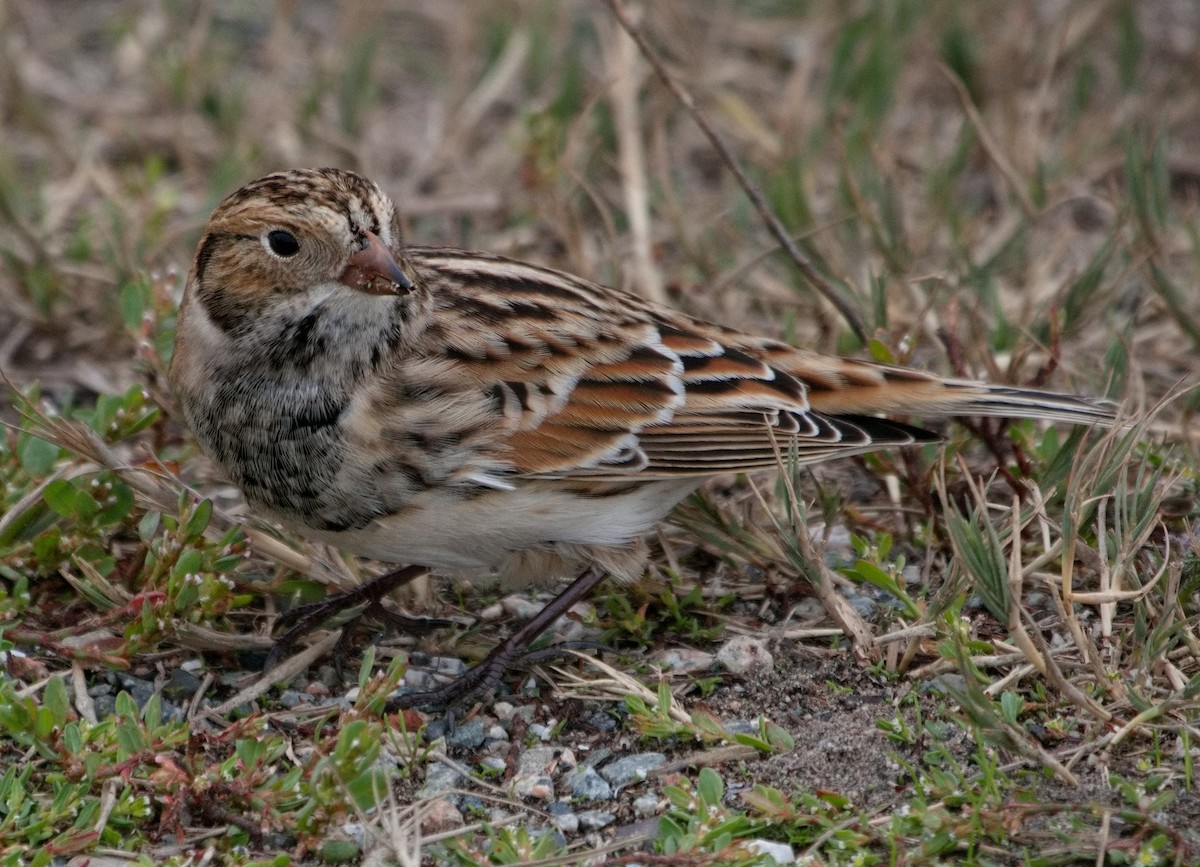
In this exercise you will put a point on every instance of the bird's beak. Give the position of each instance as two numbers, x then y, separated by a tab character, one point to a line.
374	270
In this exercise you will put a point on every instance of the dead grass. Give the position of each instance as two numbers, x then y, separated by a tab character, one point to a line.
1004	190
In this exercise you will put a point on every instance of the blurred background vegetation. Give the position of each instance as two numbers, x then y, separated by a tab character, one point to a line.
1008	190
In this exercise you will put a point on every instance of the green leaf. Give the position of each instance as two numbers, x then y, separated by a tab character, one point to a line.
148	526
1011	706
63	497
37	455
879	351
56	701
369	789
197	521
120	507
710	787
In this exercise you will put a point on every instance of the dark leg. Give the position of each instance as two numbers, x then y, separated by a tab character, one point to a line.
304	618
483	677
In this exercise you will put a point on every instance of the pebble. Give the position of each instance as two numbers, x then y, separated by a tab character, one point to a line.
540	731
594	820
521	607
685	660
532	777
781	853
539	788
494	763
568	823
180	686
866	607
586	785
535	760
632	769
645	805
441	815
741	726
601	721
808	609
598	755
439	778
468	735
563	817
444	666
316	689
745	655
290	698
139	690
944	684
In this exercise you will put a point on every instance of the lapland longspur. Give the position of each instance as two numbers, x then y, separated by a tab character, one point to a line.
488	417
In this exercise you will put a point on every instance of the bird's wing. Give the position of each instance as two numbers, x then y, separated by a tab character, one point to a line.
593	382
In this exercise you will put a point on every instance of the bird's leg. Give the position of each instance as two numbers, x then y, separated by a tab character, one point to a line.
485	675
304	618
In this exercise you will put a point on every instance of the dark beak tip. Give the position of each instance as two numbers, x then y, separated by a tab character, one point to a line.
374	270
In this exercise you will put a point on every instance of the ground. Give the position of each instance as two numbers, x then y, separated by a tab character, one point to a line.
1002	191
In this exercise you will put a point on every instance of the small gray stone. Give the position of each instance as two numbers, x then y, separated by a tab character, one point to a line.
468	735
532	779
290	698
563	817
534	760
106	706
446	666
597	756
139	690
568	823
538	786
594	820
439	778
540	731
645	805
180	686
357	832
601	721
441	815
420	680
944	684
684	659
494	763
866	607
586	785
741	726
745	655
632	769
808	609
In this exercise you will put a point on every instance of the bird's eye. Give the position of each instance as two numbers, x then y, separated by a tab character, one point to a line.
283	243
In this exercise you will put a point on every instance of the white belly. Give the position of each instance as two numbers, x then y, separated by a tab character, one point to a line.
541	525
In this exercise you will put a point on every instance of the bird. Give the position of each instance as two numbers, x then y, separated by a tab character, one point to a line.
487	418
